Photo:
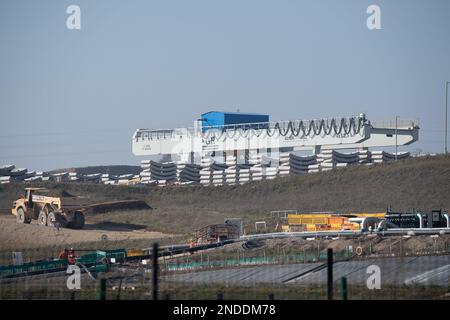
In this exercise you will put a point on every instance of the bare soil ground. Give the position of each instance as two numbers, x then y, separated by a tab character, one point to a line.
14	235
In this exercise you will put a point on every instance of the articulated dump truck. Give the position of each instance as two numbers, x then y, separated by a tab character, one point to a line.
64	212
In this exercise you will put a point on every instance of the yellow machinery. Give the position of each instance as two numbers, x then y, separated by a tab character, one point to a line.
65	212
135	252
364	215
326	221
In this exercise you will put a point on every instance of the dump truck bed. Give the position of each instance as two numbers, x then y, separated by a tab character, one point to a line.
63	202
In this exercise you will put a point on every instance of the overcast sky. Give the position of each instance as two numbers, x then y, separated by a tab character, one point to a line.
74	97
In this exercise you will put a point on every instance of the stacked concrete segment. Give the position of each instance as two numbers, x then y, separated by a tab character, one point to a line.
301	164
187	172
163	172
383	156
210	172
284	168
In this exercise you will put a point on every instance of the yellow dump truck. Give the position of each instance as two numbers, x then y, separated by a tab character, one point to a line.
65	212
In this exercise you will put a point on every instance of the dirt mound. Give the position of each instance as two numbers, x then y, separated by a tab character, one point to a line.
118	205
421	183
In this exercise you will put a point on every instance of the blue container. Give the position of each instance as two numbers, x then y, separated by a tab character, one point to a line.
219	119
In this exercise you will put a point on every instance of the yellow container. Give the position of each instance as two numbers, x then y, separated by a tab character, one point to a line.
316	222
134	252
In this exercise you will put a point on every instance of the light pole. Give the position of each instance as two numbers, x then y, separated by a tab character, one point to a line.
446	113
396	140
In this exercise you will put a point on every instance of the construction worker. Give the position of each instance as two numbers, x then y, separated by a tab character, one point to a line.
64	254
191	245
71	256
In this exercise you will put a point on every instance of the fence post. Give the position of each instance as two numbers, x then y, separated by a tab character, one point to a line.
102	289
330	273
401	246
318	250
343	288
155	271
119	291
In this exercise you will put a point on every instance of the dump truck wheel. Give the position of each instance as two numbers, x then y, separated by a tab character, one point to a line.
51	220
55	218
42	218
78	220
21	217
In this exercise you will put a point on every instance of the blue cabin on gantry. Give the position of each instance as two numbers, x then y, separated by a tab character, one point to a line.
219	119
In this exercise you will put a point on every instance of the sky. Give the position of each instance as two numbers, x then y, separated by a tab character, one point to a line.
74	97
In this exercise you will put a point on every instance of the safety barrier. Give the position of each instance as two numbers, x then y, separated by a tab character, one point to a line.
297	258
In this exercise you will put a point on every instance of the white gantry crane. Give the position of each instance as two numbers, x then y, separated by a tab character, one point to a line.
234	137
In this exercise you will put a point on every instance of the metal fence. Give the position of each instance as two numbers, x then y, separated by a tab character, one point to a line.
230	274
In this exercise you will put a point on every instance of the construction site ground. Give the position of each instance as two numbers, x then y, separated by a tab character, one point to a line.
15	236
177	211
